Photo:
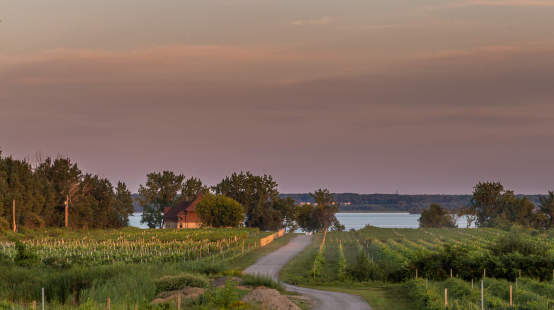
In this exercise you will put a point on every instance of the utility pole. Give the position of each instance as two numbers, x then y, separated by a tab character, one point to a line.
66	210
13	215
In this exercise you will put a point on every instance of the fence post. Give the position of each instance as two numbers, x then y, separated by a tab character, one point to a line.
416	273
109	303
451	273
179	302
482	295
34	305
511	303
446	297
43	298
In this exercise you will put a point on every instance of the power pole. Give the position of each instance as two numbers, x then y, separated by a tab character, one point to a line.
13	215
66	210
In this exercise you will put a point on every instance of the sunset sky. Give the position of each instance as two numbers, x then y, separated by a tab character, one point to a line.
365	96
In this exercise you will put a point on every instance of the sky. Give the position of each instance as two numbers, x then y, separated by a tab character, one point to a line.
362	96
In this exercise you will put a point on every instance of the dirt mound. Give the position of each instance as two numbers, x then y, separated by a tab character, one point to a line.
188	292
270	299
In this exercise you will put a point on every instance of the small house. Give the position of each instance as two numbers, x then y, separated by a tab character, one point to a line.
183	215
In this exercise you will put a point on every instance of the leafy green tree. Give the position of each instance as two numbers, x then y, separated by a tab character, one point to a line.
260	197
546	208
437	217
160	191
220	211
192	188
486	202
321	215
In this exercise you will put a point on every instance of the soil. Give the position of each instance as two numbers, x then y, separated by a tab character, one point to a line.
188	292
270	299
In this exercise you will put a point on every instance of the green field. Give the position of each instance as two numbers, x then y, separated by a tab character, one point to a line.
381	266
130	267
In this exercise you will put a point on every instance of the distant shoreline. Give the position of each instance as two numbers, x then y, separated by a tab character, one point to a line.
377	212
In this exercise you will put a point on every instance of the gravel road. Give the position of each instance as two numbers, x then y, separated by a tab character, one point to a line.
323	300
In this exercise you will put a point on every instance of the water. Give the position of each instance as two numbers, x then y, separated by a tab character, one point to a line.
353	220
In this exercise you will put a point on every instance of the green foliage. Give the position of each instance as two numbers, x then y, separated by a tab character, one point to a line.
260	198
261	280
222	298
493	206
436	217
321	215
161	190
341	265
220	211
177	282
40	195
319	261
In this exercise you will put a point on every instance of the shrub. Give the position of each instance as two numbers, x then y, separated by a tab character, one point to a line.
261	280
171	283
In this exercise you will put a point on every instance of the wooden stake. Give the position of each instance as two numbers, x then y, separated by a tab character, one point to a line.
511	304
136	306
179	302
66	211
34	305
43	298
446	296
416	273
450	272
109	303
482	295
13	216
484	273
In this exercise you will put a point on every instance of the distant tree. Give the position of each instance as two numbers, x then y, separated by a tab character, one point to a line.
486	202
160	191
220	211
192	188
124	204
321	215
436	217
260	198
546	208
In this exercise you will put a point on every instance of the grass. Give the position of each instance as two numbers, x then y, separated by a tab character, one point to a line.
380	297
89	287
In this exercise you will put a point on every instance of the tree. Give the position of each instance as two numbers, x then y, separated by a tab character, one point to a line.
160	191
486	202
192	188
546	208
321	215
436	217
260	198
220	211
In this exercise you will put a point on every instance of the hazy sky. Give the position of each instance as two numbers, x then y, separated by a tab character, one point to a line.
421	96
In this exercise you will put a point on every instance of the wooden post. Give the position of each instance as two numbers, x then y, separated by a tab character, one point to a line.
484	273
520	273
179	302
511	304
13	216
43	298
109	303
66	211
136	306
242	247
450	272
482	295
471	283
416	273
446	297
34	305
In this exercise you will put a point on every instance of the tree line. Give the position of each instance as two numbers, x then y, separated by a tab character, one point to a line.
492	205
239	198
41	192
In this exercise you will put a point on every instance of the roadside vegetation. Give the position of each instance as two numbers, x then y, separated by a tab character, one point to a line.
131	267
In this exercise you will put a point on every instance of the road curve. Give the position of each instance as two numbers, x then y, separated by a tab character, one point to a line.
323	300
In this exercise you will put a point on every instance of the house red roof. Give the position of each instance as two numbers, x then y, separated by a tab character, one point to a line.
183	206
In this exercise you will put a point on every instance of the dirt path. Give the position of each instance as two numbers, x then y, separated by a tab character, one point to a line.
323	300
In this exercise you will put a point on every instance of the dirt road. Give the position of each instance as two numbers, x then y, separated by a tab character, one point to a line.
323	300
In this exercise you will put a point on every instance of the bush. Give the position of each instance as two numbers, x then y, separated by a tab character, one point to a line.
172	283
261	280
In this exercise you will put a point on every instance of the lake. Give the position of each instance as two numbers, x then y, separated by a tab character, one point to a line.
353	220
